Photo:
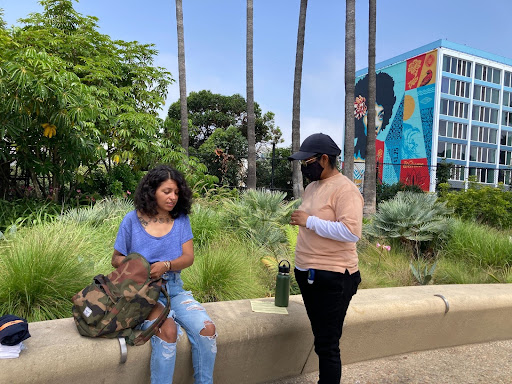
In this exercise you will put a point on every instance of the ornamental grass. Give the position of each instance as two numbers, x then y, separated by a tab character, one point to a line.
43	266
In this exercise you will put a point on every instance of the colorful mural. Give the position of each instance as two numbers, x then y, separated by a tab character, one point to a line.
404	112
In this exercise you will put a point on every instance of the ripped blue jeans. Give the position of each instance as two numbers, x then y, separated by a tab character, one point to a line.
191	315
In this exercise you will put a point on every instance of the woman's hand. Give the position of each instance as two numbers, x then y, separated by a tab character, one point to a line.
158	269
117	258
299	218
182	262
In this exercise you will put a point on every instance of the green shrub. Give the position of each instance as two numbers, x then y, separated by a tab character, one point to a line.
119	181
484	204
27	212
385	191
43	266
228	269
417	220
443	171
128	177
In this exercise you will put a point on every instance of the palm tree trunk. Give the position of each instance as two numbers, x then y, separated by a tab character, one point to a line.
182	76
251	133
350	79
369	186
297	174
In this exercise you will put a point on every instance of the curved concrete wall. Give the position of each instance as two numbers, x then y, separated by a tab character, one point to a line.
257	347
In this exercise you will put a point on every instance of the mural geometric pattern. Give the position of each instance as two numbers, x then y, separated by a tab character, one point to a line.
392	146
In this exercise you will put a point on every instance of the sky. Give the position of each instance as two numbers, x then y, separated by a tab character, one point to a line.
215	38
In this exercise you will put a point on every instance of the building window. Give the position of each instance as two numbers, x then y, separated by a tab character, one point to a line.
508	79
451	150
454	108
506	138
457	173
485	114
482	154
507	99
505	176
483	175
486	73
453	130
505	157
484	134
506	118
487	94
456	66
455	87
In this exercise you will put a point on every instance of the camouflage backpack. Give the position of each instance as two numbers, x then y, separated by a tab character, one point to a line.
111	306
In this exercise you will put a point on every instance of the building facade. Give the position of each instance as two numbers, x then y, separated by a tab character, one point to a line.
441	102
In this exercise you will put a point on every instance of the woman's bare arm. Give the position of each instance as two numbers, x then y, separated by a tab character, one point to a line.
117	258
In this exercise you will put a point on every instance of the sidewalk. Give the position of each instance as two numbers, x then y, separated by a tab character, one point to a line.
469	364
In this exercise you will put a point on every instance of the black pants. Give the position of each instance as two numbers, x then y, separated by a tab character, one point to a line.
326	302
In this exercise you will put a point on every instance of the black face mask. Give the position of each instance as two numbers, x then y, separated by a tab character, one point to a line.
312	171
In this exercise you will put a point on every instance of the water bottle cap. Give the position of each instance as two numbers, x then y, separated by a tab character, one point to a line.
284	268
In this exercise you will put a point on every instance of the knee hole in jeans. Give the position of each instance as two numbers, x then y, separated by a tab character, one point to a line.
168	332
209	329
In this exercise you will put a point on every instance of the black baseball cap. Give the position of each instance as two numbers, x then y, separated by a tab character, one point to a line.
316	144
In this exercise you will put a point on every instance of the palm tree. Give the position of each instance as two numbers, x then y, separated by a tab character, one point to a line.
251	133
297	174
350	79
182	77
369	186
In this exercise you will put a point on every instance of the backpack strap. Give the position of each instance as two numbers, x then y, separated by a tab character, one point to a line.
148	333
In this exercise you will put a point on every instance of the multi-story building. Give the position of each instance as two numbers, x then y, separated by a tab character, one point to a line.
442	101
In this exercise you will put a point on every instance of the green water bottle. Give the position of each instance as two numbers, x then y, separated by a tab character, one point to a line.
283	284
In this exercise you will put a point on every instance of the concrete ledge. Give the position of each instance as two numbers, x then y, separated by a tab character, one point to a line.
256	348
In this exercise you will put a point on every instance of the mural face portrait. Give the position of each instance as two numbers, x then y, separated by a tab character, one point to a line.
379	118
385	100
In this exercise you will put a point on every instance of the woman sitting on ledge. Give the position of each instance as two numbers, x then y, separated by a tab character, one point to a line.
159	229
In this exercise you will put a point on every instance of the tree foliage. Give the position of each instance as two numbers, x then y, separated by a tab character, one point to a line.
388	191
71	96
223	152
208	111
282	170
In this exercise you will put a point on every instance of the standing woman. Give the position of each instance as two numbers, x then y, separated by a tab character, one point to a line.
330	222
159	229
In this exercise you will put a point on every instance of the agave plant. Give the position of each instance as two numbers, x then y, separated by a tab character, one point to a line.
261	215
422	273
416	219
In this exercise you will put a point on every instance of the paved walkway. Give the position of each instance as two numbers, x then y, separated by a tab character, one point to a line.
470	364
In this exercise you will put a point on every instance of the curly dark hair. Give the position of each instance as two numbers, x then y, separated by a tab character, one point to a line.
385	96
145	200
